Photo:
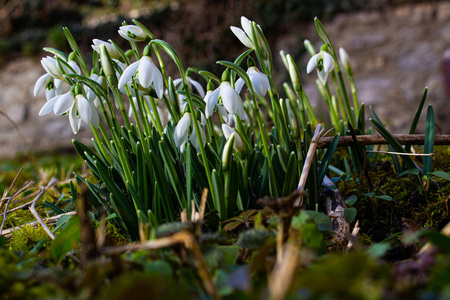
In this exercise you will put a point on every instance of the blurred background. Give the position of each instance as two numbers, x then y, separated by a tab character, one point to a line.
396	47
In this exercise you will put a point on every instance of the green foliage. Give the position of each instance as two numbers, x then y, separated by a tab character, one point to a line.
26	237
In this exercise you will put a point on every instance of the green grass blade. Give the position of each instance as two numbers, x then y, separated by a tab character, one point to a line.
429	141
327	158
412	130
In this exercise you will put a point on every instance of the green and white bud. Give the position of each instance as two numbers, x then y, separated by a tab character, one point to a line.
107	66
228	152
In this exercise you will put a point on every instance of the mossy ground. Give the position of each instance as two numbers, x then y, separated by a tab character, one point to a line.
240	260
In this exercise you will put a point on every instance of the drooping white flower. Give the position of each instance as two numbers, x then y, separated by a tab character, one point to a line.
198	87
238	144
52	86
90	94
112	51
230	99
324	63
132	33
181	134
50	65
78	107
147	73
259	81
182	130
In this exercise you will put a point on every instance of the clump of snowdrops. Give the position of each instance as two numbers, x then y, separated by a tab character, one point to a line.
159	141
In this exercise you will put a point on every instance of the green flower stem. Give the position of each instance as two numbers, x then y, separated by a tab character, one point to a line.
326	95
157	121
326	40
99	141
172	53
338	94
351	80
309	110
118	97
76	49
280	121
265	141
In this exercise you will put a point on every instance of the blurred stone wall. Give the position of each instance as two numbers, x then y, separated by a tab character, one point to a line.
395	53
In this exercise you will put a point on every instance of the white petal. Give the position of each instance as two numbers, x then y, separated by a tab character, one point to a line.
177	81
328	62
127	74
229	97
323	76
74	67
49	94
64	103
246	25
312	63
40	83
238	85
145	71
158	82
223	112
48	106
240	109
211	102
240	34
94	117
181	130
259	83
227	131
74	120
84	109
183	147
57	83
198	87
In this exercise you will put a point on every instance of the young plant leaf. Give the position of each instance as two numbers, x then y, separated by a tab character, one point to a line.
429	140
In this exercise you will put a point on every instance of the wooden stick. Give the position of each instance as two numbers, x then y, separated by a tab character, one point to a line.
404	139
315	141
7	233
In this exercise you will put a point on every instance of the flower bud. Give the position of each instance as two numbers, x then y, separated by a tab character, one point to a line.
228	152
345	60
107	66
309	48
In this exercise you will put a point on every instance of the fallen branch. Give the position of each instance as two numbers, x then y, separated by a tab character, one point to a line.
403	139
7	233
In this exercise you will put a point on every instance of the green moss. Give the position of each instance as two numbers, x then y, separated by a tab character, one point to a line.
113	236
18	217
25	238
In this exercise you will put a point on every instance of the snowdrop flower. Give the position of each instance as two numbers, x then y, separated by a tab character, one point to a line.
50	65
324	63
147	73
182	131
259	81
113	53
78	108
230	98
52	86
238	144
198	87
132	33
90	94
245	35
